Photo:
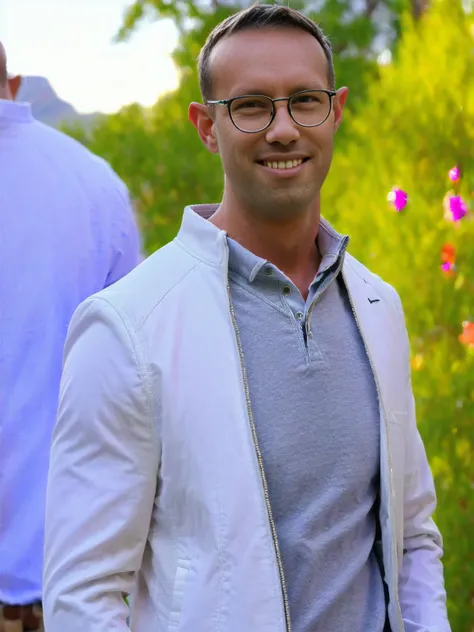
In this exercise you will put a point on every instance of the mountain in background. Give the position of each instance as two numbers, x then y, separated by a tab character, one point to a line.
47	107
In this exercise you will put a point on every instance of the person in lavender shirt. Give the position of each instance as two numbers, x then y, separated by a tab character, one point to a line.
67	230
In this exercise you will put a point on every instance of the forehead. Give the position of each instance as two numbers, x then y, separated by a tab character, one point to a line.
272	61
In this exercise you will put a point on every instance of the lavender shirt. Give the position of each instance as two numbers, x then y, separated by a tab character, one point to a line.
66	231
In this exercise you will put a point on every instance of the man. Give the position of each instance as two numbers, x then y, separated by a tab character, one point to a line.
243	453
67	231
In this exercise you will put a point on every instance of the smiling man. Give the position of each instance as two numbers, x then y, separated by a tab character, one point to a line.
243	454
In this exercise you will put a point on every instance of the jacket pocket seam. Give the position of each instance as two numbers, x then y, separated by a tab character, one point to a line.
397	417
177	597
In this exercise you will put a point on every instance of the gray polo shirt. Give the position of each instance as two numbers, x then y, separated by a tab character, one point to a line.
316	414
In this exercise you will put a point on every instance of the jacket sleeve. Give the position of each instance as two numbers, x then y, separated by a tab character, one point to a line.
421	582
102	478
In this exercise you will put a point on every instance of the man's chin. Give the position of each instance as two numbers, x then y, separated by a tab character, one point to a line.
279	204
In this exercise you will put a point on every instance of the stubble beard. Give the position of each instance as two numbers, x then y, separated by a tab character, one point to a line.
279	204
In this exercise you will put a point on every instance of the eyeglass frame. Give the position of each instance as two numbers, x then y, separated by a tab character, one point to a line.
228	103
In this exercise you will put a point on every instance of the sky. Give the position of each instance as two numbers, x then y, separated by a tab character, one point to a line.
70	43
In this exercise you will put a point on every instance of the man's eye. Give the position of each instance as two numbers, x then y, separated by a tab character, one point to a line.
250	105
307	98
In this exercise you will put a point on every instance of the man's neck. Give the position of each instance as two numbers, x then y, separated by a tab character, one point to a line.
290	245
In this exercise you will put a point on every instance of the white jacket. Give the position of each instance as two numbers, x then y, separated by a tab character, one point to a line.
156	485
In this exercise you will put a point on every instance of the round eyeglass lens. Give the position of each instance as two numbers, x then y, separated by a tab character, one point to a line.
251	114
310	108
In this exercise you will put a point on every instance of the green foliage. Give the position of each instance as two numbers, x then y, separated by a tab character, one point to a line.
418	122
161	158
414	120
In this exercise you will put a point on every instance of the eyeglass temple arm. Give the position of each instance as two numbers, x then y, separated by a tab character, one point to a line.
221	102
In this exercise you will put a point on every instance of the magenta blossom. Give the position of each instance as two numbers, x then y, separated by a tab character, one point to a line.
447	266
455	174
456	208
398	198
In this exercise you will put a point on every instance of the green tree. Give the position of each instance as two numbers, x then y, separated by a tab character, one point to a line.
161	158
357	29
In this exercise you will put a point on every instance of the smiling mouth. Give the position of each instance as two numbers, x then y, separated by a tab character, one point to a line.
282	164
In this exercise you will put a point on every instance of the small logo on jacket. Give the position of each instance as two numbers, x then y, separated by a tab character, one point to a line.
374	300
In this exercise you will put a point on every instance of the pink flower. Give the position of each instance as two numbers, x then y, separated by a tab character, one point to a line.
398	198
455	174
447	267
456	207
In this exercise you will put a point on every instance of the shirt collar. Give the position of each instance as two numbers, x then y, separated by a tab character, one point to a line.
15	112
244	262
332	247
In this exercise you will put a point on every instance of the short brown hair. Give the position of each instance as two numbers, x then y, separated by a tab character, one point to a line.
259	16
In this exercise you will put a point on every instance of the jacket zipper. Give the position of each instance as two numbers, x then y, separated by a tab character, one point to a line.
379	394
284	591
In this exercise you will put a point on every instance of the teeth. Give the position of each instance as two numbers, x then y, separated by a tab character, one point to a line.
289	164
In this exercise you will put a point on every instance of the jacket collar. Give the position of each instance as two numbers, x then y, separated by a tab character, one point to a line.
204	240
209	243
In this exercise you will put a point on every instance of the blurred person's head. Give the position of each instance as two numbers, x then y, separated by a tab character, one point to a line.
3	73
9	86
274	166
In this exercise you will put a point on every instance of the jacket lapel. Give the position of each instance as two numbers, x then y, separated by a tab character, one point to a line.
380	325
368	308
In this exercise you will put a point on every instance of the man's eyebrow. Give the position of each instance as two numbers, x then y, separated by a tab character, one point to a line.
243	92
314	85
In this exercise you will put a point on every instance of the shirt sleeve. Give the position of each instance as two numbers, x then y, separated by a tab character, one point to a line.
103	475
127	247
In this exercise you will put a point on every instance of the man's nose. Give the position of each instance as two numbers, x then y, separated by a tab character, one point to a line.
283	129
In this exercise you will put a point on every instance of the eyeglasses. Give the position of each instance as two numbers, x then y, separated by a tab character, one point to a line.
253	113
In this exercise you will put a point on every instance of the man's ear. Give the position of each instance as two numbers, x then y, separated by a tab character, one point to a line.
200	116
339	103
14	84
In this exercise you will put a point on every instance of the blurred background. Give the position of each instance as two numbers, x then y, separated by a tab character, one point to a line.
118	76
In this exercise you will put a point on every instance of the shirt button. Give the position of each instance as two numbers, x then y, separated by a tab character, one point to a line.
299	315
286	290
268	271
